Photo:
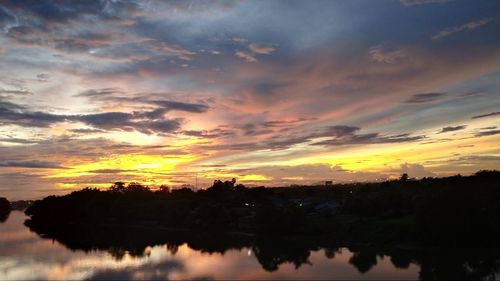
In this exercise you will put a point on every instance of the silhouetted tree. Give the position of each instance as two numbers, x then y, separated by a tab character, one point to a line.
404	177
118	187
164	188
363	260
134	186
4	209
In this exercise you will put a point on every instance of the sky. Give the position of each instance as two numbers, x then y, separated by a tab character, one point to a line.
271	93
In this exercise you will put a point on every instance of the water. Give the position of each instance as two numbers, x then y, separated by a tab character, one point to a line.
24	255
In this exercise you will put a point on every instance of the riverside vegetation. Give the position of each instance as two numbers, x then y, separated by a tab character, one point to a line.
447	226
448	211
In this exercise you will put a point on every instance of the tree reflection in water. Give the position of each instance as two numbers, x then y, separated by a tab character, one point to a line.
4	209
272	252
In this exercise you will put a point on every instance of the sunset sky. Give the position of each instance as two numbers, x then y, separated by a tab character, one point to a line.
269	92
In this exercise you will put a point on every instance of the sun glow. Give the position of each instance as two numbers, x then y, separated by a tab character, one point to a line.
144	168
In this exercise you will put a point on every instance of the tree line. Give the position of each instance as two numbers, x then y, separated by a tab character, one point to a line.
442	211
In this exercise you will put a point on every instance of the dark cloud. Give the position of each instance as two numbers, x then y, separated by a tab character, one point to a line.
109	171
162	106
488	133
235	146
250	129
31	164
87	131
452	128
486	115
6	106
12	116
286	123
128	122
339	135
372	138
345	135
18	140
210	165
108	120
424	97
338	131
181	106
262	128
99	92
215	133
105	121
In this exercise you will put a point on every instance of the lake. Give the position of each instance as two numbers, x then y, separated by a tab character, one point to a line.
24	255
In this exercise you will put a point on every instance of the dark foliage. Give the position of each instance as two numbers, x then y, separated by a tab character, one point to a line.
271	251
4	209
283	225
441	211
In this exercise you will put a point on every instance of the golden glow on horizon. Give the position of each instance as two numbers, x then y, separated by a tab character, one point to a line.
141	166
383	158
377	156
242	178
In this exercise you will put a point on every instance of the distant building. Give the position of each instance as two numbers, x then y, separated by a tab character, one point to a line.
328	183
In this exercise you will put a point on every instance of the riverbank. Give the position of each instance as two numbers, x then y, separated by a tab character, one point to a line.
433	211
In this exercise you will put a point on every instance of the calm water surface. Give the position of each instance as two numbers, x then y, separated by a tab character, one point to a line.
25	255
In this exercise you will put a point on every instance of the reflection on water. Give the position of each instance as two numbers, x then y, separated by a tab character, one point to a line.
4	216
142	254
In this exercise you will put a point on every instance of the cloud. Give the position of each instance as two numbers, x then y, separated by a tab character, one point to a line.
209	134
15	92
49	12
117	95
164	47
416	170
181	106
99	92
452	129
280	175
422	2
36	164
29	118
87	131
261	48
18	140
372	138
43	77
246	56
467	26
488	133
382	54
486	115
346	135
128	122
285	123
338	135
424	97
109	171
137	121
